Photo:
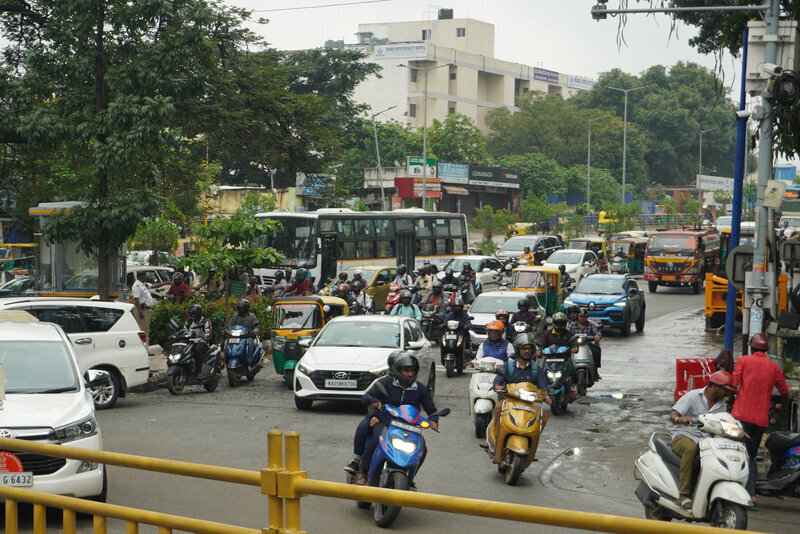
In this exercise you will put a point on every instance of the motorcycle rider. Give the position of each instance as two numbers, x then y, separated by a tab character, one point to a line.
584	326
458	314
405	307
301	285
495	346
361	299
436	299
503	316
539	255
558	335
686	436
566	279
403	278
572	316
343	292
253	290
212	282
449	277
279	286
601	262
403	388
247	320
198	327
424	282
180	289
524	315
467	276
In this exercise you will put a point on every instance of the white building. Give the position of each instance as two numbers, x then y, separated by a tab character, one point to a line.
463	74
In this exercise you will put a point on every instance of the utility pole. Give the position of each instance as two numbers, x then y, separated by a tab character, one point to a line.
589	160
378	154
625	132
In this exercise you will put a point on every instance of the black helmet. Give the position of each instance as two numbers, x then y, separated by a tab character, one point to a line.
357	286
253	279
562	268
279	275
583	312
405	360
437	285
402	269
523	339
195	312
458	301
390	360
212	271
405	294
448	272
523	302
243	306
467	266
343	275
177	278
301	274
559	320
599	253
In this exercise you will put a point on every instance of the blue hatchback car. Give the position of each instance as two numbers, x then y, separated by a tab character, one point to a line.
613	299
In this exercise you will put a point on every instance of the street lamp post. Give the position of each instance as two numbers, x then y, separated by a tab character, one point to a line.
700	156
378	154
589	160
425	128
625	132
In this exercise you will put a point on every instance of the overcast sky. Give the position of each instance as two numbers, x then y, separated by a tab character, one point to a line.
558	35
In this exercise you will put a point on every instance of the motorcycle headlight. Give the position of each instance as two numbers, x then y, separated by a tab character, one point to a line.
173	358
78	430
529	396
452	325
488	366
732	429
404	446
305	369
554	375
380	371
279	344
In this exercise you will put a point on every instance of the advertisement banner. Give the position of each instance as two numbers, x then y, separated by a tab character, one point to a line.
401	50
453	173
493	177
415	166
412	187
712	183
579	82
544	75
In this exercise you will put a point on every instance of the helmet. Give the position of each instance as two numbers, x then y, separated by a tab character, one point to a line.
177	278
467	266
357	273
438	285
390	360
523	302
523	339
243	306
343	275
279	275
562	268
572	309
458	301
253	279
599	253
195	311
583	312
501	313
405	294
759	342
448	272
344	288
402	269
405	360
508	267
495	325
302	264
724	379
357	286
212	271
301	274
559	320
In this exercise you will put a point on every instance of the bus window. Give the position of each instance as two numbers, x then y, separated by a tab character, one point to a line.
384	228
364	249
440	228
456	227
441	245
345	229
347	250
404	225
364	229
424	227
296	238
425	247
383	249
459	247
327	225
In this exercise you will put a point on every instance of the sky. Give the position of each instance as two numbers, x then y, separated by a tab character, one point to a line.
558	35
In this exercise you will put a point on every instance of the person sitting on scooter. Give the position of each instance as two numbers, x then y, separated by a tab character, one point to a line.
449	277
527	256
247	320
572	316
362	301
524	314
279	286
601	262
180	289
198	327
435	299
458	314
253	290
301	285
405	307
586	327
686	436
503	316
495	346
403	278
403	388
424	282
566	279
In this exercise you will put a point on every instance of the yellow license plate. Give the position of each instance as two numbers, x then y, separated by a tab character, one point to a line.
668	278
292	336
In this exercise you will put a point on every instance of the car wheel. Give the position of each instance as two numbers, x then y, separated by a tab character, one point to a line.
105	397
652	286
303	404
640	321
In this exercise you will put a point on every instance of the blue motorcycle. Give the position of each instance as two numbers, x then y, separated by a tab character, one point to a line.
560	371
242	355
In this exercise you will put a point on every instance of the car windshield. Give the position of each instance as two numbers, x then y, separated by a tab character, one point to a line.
296	316
490	304
37	367
666	245
565	257
17	284
359	334
579	243
600	286
517	245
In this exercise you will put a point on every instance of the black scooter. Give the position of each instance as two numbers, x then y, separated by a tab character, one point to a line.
783	477
181	368
453	348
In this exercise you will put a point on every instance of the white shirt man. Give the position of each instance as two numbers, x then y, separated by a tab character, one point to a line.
142	301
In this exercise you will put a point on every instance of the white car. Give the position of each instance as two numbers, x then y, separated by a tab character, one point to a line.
350	353
105	335
577	261
485	306
487	270
46	400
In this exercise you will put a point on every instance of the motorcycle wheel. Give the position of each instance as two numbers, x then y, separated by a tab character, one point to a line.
432	380
460	369
515	469
233	377
176	383
449	368
653	513
481	422
386	514
211	385
729	515
251	376
558	406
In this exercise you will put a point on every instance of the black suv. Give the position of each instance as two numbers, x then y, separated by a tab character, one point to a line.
513	247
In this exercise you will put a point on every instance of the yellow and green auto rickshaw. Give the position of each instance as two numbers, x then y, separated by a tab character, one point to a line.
295	319
17	258
542	281
595	244
634	249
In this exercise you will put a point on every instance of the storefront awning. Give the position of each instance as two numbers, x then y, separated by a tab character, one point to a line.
455	190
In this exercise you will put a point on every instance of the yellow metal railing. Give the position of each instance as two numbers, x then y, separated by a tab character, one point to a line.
285	484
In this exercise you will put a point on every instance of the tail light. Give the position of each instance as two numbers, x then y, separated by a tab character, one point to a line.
143	337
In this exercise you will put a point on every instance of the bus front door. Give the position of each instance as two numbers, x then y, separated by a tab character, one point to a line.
406	250
330	252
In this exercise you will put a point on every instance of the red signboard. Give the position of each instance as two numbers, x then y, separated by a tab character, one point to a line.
412	187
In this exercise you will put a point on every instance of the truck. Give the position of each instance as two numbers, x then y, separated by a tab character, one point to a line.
678	258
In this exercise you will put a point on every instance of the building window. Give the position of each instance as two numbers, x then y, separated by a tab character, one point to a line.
412	110
426	35
413	75
461	32
453	75
451	110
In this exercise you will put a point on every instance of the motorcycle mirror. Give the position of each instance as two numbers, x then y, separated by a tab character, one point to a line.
471	318
382	390
173	324
443	412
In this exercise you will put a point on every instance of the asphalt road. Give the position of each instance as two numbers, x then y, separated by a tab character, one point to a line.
602	434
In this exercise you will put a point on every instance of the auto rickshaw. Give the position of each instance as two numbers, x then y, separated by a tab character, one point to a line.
542	281
295	319
17	258
634	248
595	244
523	228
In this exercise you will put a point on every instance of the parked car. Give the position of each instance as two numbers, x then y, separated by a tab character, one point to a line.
487	270
351	352
615	300
513	248
18	286
46	400
379	278
485	306
578	262
105	335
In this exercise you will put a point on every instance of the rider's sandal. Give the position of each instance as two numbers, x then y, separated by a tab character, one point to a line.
687	503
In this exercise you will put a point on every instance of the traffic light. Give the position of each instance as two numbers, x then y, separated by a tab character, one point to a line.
599	10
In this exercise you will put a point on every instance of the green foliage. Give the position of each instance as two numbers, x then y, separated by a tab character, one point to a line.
691	207
487	245
255	202
491	221
575	227
723	197
621	216
457	139
534	208
537	173
749	194
359	205
156	234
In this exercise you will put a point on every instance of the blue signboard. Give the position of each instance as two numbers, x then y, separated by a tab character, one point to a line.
453	173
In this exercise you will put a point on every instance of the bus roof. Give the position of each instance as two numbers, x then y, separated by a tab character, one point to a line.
345	213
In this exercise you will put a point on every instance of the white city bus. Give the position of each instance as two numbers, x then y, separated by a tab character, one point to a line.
331	240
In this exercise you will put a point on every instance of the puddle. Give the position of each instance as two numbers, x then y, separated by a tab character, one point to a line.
598	430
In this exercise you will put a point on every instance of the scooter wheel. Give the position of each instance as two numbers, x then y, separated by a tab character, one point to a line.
233	378
481	422
211	385
176	383
449	368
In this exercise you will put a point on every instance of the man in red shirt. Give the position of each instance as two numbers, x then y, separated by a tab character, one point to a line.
756	375
180	289
301	285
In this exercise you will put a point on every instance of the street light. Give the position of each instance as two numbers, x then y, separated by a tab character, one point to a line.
378	154
625	132
424	127
700	156
589	159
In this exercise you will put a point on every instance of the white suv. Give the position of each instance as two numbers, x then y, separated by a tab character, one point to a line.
105	335
46	400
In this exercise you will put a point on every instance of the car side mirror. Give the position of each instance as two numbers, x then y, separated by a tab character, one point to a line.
486	270
305	343
97	378
415	345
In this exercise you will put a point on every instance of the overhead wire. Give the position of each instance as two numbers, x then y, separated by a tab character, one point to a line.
337	4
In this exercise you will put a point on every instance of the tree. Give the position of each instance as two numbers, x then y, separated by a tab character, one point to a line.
457	139
723	197
156	234
491	221
691	208
749	194
621	216
537	174
534	208
603	186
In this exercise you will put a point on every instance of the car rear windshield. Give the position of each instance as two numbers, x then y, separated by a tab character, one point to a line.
600	286
565	257
37	367
490	304
359	334
517	245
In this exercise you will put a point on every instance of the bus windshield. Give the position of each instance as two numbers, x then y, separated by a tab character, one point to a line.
677	245
296	239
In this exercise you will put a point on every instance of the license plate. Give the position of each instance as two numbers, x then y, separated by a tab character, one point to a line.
451	336
405	426
668	278
18	480
348	384
483	378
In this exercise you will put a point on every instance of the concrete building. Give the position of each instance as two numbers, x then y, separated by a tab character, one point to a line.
463	74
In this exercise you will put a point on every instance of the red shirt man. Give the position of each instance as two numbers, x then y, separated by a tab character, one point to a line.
179	289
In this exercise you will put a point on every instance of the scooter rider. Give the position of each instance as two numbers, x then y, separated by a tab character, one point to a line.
495	346
403	278
449	277
253	290
405	307
403	388
436	299
527	256
558	335
686	436
424	282
247	320
524	314
362	300
586	327
458	314
503	316
301	285
566	279
601	262
279	286
199	327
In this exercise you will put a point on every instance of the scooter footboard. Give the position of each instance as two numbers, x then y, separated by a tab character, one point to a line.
518	444
730	491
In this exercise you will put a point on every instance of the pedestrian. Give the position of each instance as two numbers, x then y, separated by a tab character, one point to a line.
143	300
756	375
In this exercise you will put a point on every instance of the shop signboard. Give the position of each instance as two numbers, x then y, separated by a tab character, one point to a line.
579	82
410	187
453	173
401	50
712	183
544	75
415	166
493	177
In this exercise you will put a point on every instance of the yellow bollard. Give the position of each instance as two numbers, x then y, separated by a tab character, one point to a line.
70	523
99	524
11	517
39	519
293	466
275	464
131	527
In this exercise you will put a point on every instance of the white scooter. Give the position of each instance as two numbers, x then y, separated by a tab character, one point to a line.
720	497
482	396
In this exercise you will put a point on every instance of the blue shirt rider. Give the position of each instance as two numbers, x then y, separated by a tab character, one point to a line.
404	307
495	346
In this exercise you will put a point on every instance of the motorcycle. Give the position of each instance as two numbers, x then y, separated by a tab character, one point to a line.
584	364
243	355
720	497
513	446
783	477
393	297
431	322
618	265
397	455
482	396
453	348
558	363
181	368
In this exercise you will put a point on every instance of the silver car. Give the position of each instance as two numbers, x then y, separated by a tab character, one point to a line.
484	308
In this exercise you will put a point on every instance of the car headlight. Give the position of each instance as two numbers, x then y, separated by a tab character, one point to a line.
568	302
279	344
79	430
380	371
404	446
305	369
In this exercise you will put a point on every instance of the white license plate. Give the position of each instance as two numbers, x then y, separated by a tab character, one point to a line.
484	378
451	336
404	426
348	384
19	480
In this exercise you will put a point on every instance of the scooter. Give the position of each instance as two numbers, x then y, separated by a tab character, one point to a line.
783	477
181	368
394	296
242	355
482	396
558	364
431	322
453	347
619	265
512	444
584	364
720	497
